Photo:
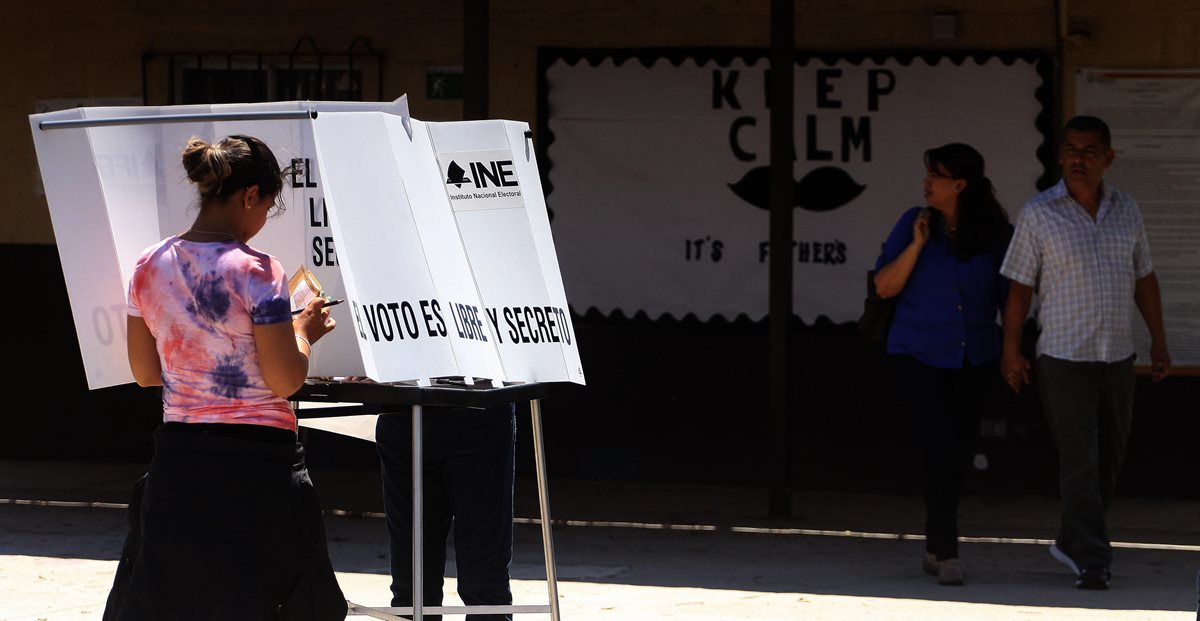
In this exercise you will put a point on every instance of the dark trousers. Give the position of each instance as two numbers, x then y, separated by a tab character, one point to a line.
468	482
944	405
1089	406
225	528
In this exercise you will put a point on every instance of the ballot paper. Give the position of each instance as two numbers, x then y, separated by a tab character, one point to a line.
303	287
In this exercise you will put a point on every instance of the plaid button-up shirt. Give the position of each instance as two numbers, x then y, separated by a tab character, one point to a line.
1083	271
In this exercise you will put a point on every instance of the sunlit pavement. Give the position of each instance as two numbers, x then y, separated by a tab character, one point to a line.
655	552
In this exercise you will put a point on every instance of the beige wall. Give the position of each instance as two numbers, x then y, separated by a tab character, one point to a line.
93	49
82	49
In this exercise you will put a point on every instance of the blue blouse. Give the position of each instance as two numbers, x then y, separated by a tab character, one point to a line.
946	312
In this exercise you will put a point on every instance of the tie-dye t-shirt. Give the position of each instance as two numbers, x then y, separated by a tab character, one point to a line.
201	301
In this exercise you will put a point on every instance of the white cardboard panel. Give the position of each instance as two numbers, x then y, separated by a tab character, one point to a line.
133	192
470	332
535	334
91	267
388	282
399	241
543	239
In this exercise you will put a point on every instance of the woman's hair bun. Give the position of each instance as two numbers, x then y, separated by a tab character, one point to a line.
221	169
207	165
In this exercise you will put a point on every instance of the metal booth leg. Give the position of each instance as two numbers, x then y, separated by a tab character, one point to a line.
539	453
418	507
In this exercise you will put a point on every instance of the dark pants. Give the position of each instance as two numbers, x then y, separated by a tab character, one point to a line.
1089	406
468	473
945	411
225	528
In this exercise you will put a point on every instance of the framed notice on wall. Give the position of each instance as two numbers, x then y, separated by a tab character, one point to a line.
1155	120
657	167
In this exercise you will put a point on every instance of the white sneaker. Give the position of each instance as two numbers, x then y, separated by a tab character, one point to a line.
1062	557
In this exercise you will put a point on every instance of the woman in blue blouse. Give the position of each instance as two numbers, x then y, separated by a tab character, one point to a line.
942	264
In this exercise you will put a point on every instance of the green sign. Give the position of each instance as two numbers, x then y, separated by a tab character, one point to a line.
443	82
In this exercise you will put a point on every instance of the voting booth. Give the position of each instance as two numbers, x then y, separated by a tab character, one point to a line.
435	234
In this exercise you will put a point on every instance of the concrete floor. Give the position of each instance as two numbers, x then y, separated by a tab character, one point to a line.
656	551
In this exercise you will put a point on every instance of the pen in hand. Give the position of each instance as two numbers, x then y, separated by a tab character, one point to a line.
327	305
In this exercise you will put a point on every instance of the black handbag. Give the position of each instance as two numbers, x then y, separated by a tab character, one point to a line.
877	314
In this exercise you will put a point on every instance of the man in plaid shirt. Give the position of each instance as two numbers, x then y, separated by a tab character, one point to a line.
1082	247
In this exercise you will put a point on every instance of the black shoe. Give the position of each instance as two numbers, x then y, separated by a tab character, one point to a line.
1094	577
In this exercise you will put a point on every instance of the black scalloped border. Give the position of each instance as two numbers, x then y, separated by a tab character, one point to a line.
723	56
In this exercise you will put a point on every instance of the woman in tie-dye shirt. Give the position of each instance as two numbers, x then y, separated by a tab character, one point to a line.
225	524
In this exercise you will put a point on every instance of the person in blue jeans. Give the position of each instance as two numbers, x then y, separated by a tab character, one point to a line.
468	470
942	264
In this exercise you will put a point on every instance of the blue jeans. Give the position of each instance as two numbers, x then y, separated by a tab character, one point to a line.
468	483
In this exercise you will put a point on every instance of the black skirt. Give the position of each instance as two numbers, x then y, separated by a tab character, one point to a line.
225	526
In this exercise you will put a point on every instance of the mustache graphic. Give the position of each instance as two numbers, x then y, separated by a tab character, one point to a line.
821	189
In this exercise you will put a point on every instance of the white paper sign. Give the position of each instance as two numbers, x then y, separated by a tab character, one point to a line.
660	172
1152	115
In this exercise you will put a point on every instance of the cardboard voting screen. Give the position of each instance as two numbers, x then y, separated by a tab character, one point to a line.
115	190
436	233
432	286
400	286
491	177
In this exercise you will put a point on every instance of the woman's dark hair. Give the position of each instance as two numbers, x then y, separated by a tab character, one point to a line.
982	223
219	170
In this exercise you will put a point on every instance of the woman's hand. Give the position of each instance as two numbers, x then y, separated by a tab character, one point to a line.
314	321
891	278
1015	369
921	228
282	357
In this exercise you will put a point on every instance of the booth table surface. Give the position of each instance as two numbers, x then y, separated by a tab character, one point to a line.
376	397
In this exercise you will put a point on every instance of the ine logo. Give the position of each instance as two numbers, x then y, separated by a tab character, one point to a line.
482	175
455	176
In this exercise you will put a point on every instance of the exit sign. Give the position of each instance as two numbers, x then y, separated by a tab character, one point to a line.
444	82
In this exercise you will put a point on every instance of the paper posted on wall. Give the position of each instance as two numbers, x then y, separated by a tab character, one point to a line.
303	288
